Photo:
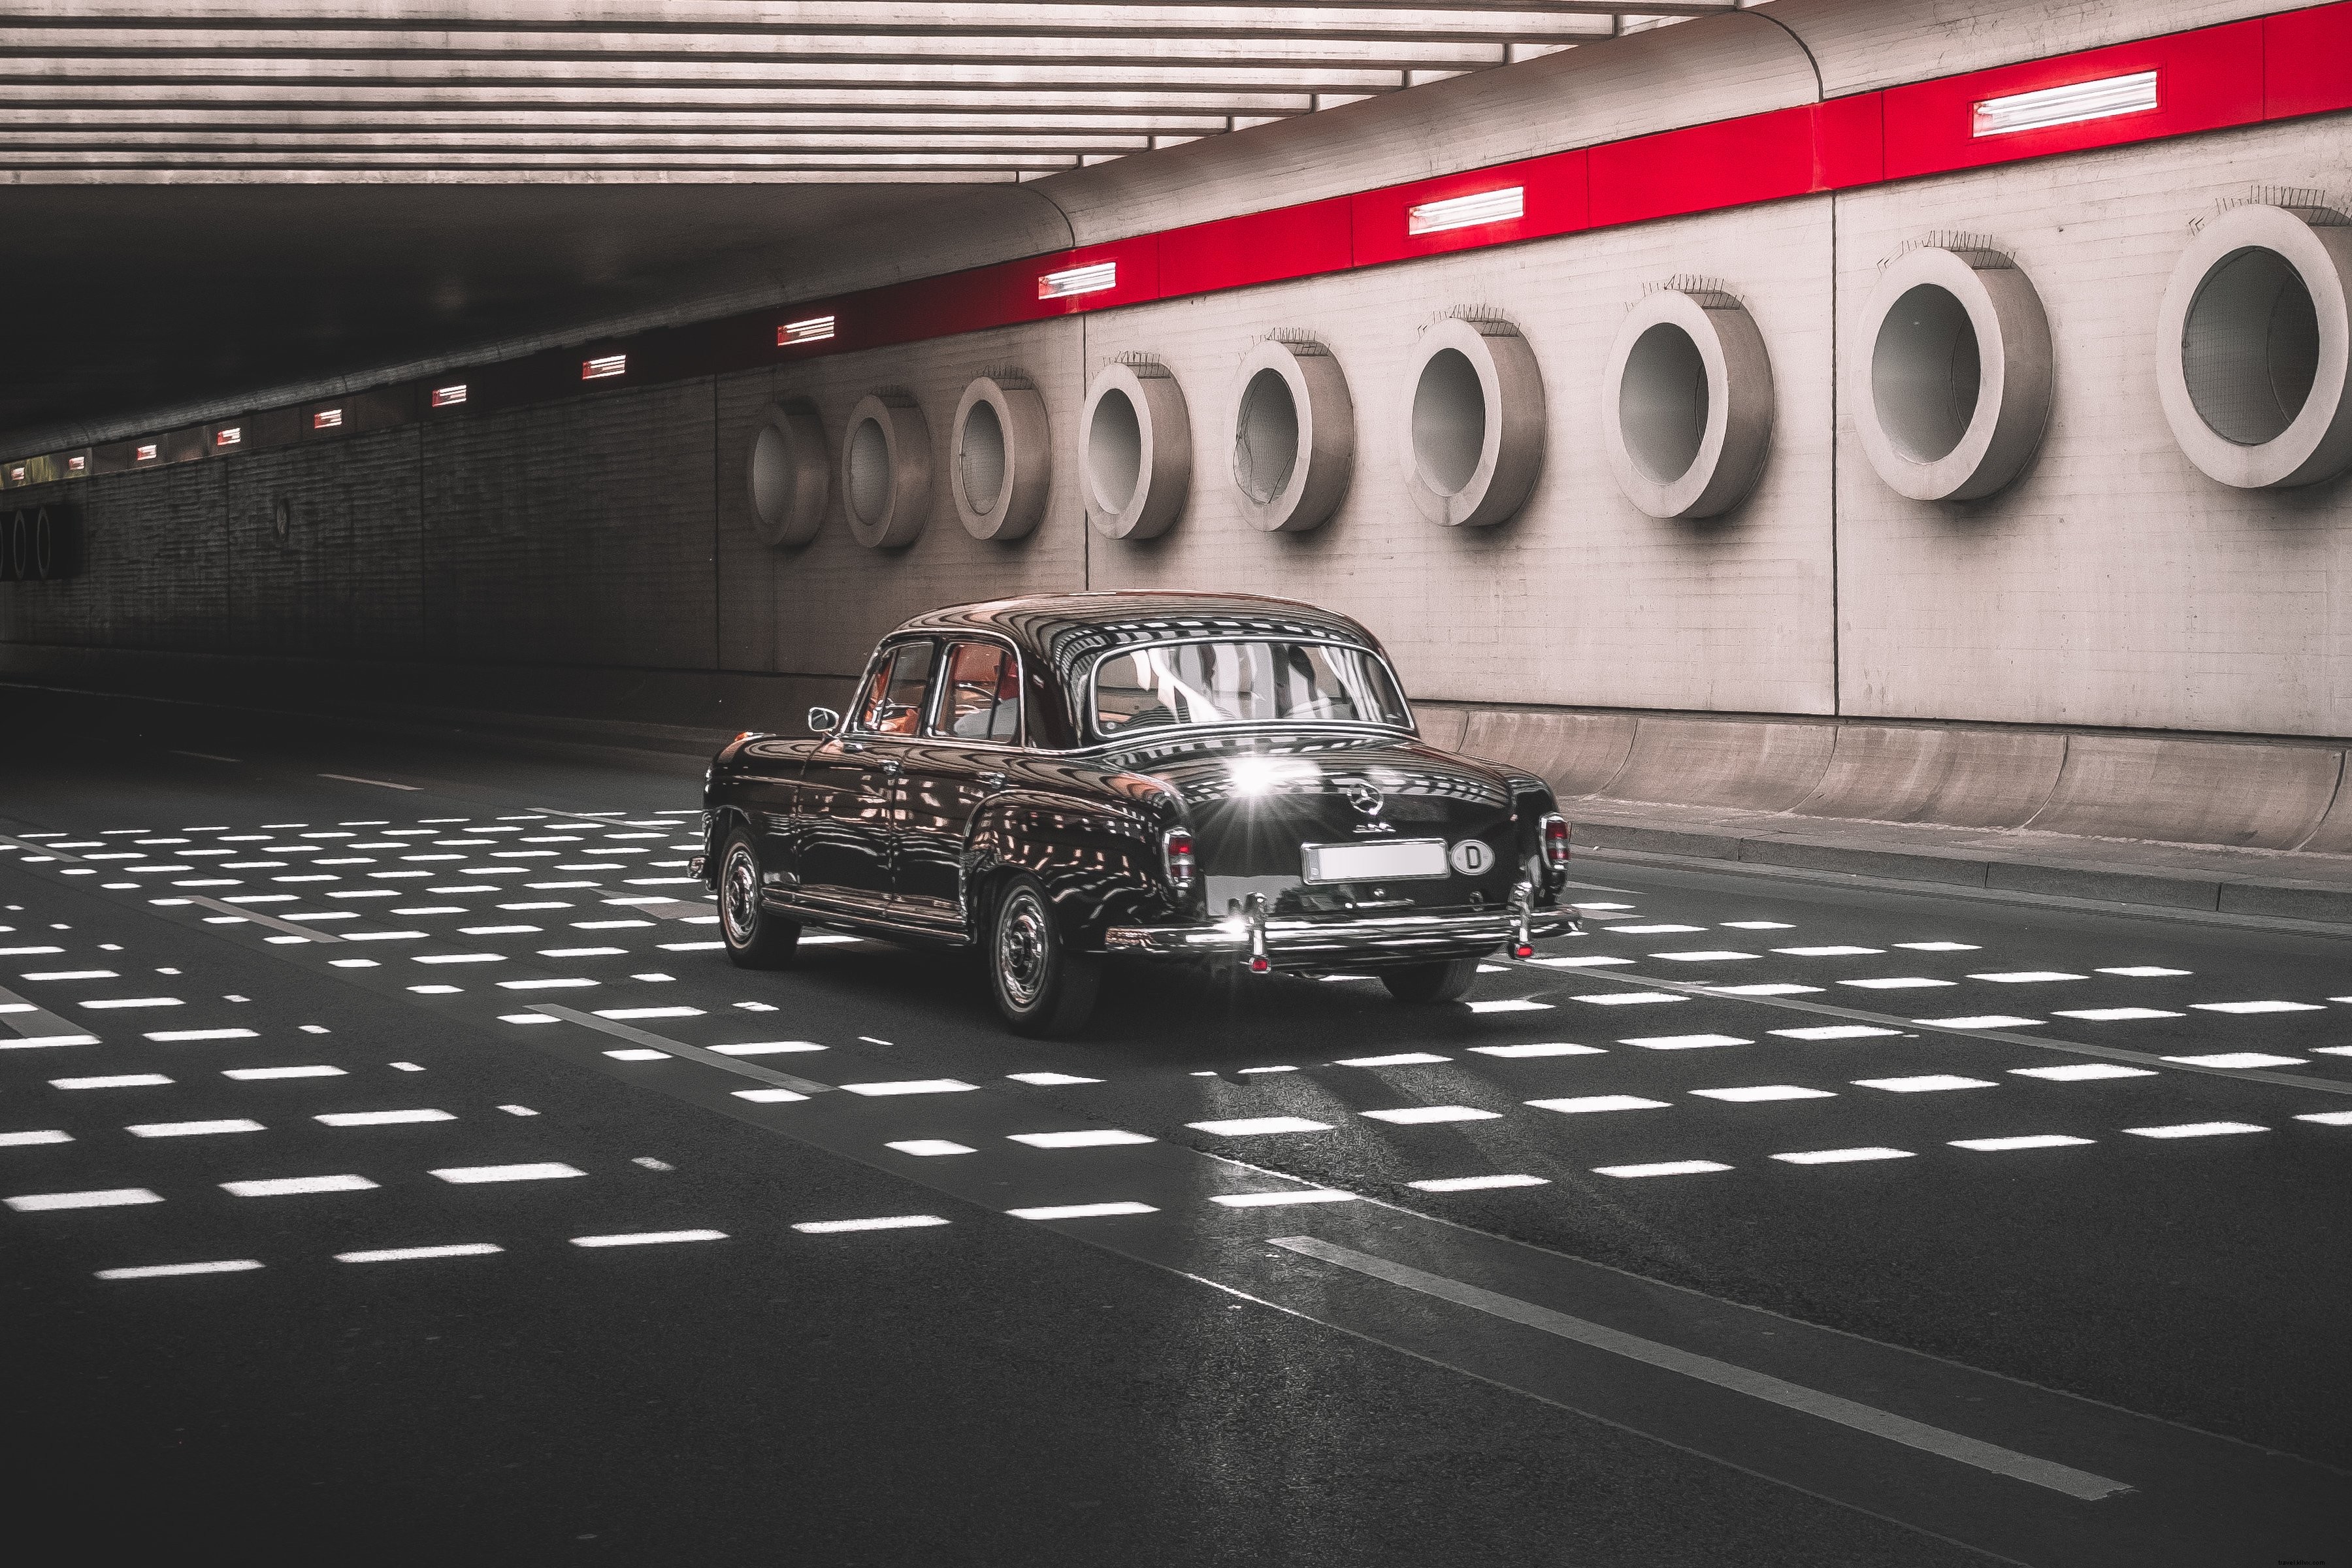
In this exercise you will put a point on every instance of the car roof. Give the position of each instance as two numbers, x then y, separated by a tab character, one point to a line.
1067	627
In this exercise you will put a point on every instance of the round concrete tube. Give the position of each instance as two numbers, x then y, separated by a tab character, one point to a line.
886	471
1135	448
2254	362
787	474
1686	405
1474	431
1294	436
1004	459
1955	371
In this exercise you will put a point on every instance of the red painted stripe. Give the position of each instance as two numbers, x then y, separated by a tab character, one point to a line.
2205	81
2307	61
1850	142
1260	247
1705	168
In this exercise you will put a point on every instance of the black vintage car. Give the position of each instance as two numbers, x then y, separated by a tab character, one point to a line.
1217	777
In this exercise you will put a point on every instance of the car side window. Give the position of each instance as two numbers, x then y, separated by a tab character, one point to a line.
894	698
982	700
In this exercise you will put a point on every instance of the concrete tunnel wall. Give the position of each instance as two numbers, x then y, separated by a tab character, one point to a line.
600	554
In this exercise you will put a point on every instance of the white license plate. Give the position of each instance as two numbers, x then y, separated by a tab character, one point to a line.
1391	860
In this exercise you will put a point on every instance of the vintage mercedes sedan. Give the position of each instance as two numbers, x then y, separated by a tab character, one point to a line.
1055	781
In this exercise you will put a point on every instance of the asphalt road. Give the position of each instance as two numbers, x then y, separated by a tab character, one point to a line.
396	1170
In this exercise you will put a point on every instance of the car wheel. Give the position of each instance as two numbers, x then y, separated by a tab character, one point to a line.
1042	988
1447	980
756	939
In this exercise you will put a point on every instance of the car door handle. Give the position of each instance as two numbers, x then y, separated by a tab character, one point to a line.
992	780
892	766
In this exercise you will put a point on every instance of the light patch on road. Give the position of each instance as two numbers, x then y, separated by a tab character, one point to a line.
192	1129
2033	1141
556	984
1661	1168
459	958
2200	1007
71	975
1515	1005
295	1186
1478	1184
380	1118
1085	1138
495	930
912	1085
1281	1200
580	951
1683	1042
1925	1083
1417	1115
1580	1105
648	1238
1630	998
2239	1059
2117	1014
1401	1059
417	1254
1049	1079
252	1074
1758	1093
1983	1021
1842	1157
2082	1072
165	1271
886	1222
1259	1126
537	1171
1081	1211
1759	925
105	1198
2196	1130
930	1148
1546	1049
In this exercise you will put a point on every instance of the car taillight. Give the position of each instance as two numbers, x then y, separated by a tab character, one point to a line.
1176	854
1555	843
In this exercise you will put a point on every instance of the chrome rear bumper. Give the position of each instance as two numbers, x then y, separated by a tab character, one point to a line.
1291	943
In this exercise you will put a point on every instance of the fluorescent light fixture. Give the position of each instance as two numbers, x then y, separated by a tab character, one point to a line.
607	365
1092	278
228	436
326	418
1465	211
145	454
448	396
2069	105
815	329
76	465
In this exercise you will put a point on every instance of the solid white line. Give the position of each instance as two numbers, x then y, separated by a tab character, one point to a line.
163	1271
407	1254
380	783
2073	1483
648	1238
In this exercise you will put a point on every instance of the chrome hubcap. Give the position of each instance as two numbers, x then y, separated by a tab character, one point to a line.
739	897
1021	949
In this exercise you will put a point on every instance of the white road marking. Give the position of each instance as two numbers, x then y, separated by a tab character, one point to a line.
2003	1145
2239	1059
1660	1168
191	1129
2117	1014
1775	988
2328	1118
1259	1126
2028	976
1081	1211
380	1118
564	984
767	1096
927	1148
1630	998
1578	1105
1049	1079
1835	1032
648	1238
1828	952
1939	946
1759	925
134	1002
1549	1048
912	1085
1281	1200
639	1053
249	1074
112	1080
107	1198
495	930
1983	1021
1719	955
2196	1130
620	1013
888	1222
458	957
23	1140
2143	971
1592	961
2225	1006
1402	1058
1925	1083
541	1171
71	975
1478	1184
1513	1006
766	1048
1417	1115
1897	982
1089	1138
2082	1072
1652	930
1758	1093
41	1042
580	951
291	1186
2073	1483
1683	1042
1842	1157
518	1111
164	1271
413	1254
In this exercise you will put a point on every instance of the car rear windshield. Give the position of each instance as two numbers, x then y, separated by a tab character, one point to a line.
1242	681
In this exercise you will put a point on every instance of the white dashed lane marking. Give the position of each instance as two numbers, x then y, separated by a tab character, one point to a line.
293	1186
415	1254
107	1198
166	1271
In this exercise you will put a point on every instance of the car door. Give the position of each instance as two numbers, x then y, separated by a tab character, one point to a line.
847	807
974	728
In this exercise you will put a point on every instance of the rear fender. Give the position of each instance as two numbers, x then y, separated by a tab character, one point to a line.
1101	865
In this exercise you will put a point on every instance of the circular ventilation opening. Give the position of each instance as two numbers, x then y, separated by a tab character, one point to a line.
2250	347
1115	451
1449	421
870	472
1662	403
772	473
1266	437
1926	374
980	462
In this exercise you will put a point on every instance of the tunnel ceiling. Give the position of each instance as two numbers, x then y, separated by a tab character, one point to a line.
219	195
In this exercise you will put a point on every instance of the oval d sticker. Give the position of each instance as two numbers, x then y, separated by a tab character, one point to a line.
1471	857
